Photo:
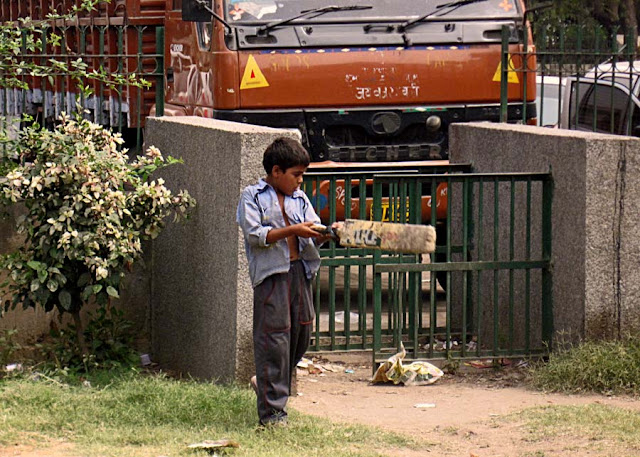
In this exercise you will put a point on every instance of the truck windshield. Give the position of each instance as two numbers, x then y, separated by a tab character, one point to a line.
264	11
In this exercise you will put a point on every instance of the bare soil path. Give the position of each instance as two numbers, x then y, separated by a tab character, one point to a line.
464	413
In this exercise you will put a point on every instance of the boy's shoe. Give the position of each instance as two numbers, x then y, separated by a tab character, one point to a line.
277	420
254	384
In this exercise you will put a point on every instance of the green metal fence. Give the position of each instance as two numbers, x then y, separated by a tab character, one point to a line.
586	79
344	285
123	50
497	298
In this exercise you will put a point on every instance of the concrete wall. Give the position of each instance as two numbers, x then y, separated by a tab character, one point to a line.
31	323
596	217
202	299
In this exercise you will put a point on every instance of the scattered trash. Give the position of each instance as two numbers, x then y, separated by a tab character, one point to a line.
489	363
13	367
214	447
471	346
443	345
86	383
331	368
486	363
424	405
145	360
349	371
353	317
522	364
308	365
416	374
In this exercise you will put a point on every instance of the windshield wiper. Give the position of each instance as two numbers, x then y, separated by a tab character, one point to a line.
453	5
317	11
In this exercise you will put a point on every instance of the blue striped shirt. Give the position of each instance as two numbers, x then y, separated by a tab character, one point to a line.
258	212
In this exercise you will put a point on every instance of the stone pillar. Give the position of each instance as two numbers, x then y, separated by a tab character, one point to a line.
596	216
201	296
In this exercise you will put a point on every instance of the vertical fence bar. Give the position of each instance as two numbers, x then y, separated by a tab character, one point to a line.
631	49
403	208
362	269
313	189
99	103
479	338
139	70
525	64
332	268
43	80
377	283
433	310
120	47
415	279
160	71
504	77
82	46
547	278
465	274
347	268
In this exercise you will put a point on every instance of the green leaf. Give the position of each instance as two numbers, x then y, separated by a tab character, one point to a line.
65	299
52	285
35	285
42	275
112	292
97	288
34	265
87	292
84	279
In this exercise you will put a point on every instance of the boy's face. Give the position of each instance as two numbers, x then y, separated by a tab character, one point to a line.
288	181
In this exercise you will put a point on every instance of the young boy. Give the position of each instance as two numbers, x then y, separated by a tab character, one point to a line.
276	219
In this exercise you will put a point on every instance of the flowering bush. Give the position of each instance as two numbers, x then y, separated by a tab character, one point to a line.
87	210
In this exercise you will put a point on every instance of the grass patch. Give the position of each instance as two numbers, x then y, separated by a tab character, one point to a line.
604	367
588	423
139	415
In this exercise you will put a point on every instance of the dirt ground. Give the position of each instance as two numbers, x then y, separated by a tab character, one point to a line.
460	415
473	413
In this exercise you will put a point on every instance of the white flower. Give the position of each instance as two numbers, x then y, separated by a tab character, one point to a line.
101	273
154	152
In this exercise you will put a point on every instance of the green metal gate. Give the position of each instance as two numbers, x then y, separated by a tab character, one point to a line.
485	292
344	286
497	298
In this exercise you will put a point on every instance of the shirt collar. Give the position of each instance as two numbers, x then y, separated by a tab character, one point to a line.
263	185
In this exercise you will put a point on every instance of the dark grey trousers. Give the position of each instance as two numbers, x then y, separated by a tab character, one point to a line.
282	316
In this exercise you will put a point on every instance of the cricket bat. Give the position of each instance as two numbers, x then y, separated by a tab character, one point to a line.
388	236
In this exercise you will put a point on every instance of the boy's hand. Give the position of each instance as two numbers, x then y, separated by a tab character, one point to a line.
304	230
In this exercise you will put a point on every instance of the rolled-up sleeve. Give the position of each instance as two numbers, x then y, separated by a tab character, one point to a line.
248	218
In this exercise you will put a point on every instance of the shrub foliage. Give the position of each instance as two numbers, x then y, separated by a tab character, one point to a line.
87	210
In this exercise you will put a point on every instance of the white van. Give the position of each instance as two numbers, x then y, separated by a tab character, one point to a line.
604	100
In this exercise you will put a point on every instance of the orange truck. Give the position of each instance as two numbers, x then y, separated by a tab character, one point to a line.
366	81
361	80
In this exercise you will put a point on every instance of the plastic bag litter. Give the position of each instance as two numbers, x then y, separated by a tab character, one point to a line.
418	373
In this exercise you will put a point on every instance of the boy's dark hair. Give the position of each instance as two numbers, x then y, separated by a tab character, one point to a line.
286	153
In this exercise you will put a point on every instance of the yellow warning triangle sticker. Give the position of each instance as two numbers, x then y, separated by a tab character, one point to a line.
512	75
253	77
